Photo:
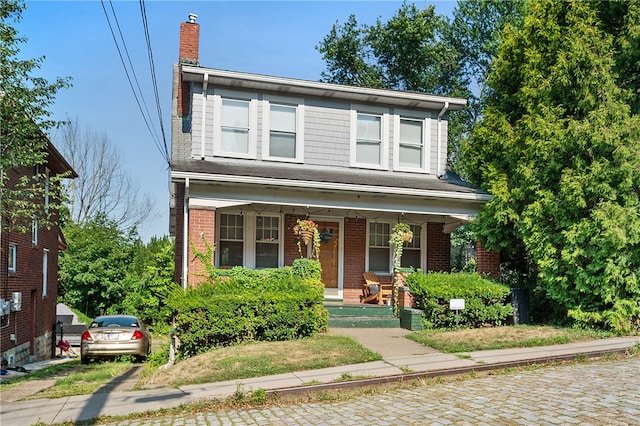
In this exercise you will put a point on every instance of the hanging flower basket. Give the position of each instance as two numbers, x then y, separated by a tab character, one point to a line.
307	233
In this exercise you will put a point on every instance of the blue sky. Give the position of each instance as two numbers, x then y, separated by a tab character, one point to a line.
263	37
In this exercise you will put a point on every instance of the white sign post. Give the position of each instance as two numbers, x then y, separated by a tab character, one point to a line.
456	305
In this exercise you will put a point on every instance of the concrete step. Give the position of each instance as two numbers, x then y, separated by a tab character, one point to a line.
364	322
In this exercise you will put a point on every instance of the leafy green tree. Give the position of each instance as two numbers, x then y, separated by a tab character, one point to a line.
421	51
24	120
94	265
560	152
148	283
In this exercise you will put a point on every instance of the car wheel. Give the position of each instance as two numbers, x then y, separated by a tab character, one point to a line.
85	360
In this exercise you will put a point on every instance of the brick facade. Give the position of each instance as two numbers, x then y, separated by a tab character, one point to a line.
488	261
33	326
202	226
438	248
355	247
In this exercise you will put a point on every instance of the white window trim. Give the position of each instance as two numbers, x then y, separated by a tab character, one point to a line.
249	237
254	240
426	148
217	126
266	129
45	270
13	256
353	134
34	232
368	246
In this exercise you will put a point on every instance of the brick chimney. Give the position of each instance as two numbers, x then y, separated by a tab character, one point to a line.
188	55
189	41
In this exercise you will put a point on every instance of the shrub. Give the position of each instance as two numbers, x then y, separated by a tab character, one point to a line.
485	300
243	305
622	318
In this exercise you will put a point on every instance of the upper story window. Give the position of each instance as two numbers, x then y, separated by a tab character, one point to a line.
283	135
369	140
410	148
235	127
13	256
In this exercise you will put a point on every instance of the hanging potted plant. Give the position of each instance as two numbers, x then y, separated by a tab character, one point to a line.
307	232
400	234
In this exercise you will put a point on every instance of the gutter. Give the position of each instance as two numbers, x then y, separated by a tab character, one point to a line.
440	171
185	234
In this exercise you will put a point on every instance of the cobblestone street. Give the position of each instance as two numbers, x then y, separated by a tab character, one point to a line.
593	393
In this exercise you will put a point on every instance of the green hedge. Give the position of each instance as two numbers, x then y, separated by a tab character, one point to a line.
486	302
243	305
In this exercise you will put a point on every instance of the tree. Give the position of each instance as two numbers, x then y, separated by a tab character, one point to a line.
148	283
559	151
103	186
419	50
94	265
24	120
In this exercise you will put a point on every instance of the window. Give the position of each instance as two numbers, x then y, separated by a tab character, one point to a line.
379	250
410	152
283	130
267	241
231	240
282	138
13	255
411	252
45	271
369	140
235	126
34	232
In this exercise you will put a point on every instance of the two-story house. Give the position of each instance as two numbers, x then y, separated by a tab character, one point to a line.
29	275
252	153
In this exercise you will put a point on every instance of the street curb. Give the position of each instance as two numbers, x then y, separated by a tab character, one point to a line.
348	384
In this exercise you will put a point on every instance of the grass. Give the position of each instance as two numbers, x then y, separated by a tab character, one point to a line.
521	336
261	359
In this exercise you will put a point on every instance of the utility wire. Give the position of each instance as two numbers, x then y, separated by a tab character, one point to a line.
138	97
152	70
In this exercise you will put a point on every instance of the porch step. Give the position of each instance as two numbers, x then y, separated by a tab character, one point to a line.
361	316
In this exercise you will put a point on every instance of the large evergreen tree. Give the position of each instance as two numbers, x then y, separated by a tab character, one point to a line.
560	152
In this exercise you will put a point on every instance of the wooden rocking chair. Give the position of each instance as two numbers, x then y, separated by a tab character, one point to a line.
373	291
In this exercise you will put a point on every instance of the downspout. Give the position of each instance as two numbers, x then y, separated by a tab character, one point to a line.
185	234
203	133
440	170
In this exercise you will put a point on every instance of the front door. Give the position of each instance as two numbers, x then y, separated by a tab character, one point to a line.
329	256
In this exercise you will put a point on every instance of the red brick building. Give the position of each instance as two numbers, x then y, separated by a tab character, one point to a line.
251	154
29	278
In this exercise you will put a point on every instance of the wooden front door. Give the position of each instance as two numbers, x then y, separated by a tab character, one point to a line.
329	254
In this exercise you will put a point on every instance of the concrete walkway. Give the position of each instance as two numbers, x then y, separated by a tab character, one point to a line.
402	360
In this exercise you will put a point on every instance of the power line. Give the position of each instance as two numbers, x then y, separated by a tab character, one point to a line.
152	70
137	94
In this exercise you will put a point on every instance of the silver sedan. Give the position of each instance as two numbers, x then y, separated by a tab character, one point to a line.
114	335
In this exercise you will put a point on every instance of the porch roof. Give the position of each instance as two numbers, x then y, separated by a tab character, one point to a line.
295	175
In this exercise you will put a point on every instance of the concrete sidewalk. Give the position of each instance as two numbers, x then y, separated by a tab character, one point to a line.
402	359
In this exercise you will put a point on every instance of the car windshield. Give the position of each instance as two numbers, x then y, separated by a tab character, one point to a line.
114	322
